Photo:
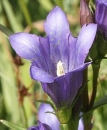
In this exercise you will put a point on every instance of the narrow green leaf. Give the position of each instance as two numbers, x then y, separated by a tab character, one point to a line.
14	22
5	30
24	8
47	102
11	125
102	101
9	88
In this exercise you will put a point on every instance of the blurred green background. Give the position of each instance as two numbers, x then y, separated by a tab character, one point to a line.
17	89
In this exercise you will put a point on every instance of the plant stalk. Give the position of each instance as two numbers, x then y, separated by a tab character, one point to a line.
95	68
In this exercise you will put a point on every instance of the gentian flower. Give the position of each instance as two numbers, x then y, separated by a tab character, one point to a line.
57	60
40	127
101	16
48	118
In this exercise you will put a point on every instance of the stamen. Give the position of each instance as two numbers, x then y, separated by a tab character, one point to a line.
60	69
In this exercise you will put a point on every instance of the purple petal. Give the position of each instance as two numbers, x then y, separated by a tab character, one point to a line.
85	40
33	48
34	128
72	51
48	118
101	16
64	88
40	127
101	13
84	43
81	124
51	67
40	75
57	29
26	45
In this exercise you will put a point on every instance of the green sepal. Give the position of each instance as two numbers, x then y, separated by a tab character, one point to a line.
102	101
50	112
5	30
12	126
46	102
63	115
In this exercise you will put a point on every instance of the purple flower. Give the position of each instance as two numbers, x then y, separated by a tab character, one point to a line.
101	16
57	59
48	118
40	127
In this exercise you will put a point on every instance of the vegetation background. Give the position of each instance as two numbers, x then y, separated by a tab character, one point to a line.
17	90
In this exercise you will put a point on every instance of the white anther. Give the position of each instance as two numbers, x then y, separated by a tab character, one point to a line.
60	69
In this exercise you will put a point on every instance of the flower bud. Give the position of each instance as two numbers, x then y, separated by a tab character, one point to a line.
86	16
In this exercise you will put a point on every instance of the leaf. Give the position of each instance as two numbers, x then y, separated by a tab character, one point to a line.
102	101
12	126
9	88
47	102
12	17
5	30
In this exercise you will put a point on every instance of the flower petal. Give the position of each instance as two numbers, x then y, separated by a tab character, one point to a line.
27	46
84	41
33	48
40	75
57	29
83	44
64	88
101	13
40	126
51	67
72	50
48	118
101	16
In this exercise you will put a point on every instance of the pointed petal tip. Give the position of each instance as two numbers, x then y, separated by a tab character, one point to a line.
56	21
91	25
25	44
90	28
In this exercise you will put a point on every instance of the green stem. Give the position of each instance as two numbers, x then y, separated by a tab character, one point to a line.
87	121
64	127
71	125
23	116
85	99
95	68
85	102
